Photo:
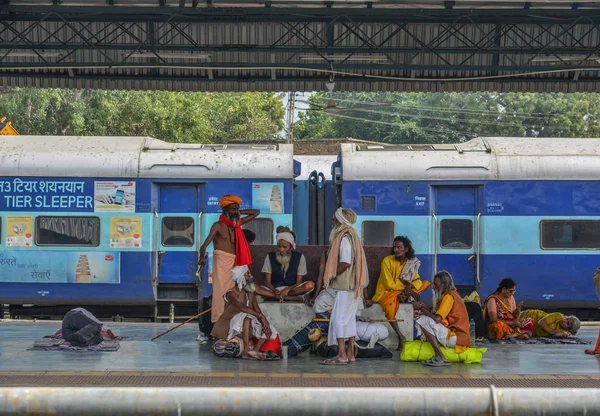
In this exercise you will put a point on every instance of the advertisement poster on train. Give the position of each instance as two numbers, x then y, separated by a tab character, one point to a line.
125	232
268	197
114	196
60	267
19	231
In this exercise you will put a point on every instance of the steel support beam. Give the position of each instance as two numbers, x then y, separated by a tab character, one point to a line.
173	41
284	13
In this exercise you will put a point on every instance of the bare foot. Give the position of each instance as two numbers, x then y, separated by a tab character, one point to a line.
254	355
400	346
350	355
343	359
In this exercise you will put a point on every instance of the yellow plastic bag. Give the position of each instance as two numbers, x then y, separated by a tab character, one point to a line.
421	351
473	297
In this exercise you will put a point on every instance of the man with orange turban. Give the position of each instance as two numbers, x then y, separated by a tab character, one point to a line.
230	248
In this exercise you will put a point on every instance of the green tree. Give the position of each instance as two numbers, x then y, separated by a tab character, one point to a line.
451	117
169	116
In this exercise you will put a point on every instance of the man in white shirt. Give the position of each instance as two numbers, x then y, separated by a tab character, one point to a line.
345	273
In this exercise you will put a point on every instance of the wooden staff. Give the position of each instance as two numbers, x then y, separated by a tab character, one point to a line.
183	323
369	321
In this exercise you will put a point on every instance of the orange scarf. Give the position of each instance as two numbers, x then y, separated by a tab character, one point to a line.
333	260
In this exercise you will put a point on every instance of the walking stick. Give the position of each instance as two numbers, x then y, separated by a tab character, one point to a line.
199	283
369	321
183	323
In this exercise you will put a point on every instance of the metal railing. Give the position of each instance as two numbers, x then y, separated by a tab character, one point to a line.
298	401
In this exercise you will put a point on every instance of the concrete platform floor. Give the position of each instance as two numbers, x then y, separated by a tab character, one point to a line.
178	359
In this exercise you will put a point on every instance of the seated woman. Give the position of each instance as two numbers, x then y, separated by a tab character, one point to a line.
502	314
551	324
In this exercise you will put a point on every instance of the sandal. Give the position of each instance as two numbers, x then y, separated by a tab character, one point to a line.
436	362
334	361
271	356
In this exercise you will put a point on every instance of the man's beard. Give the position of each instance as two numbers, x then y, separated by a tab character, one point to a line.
284	260
437	295
335	231
233	217
399	258
249	287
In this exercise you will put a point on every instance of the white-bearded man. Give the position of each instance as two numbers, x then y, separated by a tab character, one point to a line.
284	271
242	316
346	274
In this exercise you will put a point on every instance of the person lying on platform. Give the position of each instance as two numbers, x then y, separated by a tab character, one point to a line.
502	314
551	324
82	329
448	325
284	271
399	281
242	316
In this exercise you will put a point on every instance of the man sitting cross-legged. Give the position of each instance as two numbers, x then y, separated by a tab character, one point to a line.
242	316
284	271
448	324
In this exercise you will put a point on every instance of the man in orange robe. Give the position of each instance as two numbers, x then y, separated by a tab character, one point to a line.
448	325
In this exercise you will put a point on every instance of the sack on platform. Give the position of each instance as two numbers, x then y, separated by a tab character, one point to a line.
421	351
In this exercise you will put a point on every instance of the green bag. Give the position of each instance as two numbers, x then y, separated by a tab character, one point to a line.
421	351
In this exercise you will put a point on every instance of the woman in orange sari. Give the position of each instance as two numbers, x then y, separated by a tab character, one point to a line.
502	314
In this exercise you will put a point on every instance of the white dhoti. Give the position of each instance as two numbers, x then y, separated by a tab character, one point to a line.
439	331
371	332
342	323
236	326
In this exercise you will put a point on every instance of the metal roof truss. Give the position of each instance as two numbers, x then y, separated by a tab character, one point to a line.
300	45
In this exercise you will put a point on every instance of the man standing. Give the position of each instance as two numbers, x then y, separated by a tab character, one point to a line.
398	281
345	273
230	248
284	270
448	325
242	316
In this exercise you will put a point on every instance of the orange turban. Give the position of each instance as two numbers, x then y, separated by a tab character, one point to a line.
230	199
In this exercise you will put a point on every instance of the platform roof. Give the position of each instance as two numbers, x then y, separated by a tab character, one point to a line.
299	45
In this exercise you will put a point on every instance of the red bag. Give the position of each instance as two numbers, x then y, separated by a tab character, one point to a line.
272	345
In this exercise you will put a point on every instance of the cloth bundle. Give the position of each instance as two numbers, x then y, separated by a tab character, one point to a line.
230	348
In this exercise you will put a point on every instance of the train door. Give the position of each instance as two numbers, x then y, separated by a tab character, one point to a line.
456	233
178	231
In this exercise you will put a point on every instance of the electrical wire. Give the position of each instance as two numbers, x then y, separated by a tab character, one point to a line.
398	126
442	109
428	117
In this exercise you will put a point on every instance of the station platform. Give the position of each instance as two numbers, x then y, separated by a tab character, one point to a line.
177	359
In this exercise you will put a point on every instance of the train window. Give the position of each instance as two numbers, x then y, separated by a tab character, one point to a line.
570	234
378	233
368	203
67	231
456	233
178	231
263	228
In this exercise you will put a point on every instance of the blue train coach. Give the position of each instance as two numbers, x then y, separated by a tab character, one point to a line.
119	220
486	209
